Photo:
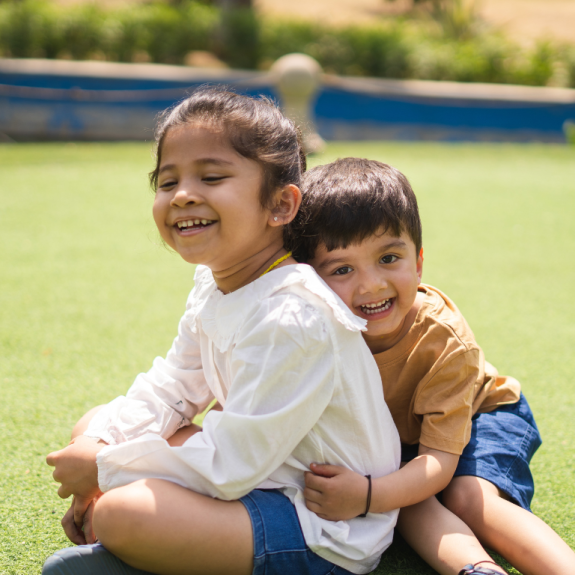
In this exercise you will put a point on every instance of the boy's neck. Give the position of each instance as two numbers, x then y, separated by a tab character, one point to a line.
381	343
250	269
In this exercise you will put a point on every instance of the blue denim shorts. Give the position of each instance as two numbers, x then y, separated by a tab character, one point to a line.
279	546
502	444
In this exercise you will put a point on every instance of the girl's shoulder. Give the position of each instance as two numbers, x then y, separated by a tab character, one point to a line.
204	286
302	281
296	289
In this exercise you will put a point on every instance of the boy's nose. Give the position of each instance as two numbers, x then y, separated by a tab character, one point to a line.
371	283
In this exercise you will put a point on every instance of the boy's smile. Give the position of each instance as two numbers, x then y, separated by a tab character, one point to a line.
377	279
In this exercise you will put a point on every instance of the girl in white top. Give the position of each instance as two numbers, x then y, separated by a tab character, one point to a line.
264	336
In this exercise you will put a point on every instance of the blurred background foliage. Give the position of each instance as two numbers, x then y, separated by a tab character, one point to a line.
434	40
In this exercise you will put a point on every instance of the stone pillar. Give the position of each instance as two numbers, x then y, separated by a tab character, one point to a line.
297	78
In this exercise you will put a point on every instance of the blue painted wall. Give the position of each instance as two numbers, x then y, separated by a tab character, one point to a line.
86	107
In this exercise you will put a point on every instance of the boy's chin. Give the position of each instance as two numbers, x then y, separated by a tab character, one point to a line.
375	331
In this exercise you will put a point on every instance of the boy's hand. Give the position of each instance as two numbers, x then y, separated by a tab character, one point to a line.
335	493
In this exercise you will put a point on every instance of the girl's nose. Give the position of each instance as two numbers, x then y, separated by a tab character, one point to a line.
184	197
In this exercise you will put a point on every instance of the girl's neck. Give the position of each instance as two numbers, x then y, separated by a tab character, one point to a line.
250	269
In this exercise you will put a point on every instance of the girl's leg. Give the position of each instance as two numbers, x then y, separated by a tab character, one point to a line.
158	526
183	434
440	538
84	421
177	439
528	543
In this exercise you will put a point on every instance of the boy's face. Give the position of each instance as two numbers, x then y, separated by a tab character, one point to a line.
378	281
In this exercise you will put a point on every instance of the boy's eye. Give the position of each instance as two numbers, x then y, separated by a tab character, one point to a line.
343	270
389	259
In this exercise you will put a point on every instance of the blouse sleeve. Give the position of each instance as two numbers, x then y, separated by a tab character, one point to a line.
446	403
283	377
162	400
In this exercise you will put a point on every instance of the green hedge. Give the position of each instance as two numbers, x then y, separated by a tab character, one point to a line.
165	33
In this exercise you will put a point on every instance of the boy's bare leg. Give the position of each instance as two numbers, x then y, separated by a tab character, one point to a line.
527	542
161	527
440	538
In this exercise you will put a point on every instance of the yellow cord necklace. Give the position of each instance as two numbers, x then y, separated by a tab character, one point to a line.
277	262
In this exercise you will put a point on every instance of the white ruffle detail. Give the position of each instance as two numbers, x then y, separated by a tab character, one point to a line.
221	316
204	285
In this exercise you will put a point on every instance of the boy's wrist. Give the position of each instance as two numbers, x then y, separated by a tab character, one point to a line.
368	497
382	495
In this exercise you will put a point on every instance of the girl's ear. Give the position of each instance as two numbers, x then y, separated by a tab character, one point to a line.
286	204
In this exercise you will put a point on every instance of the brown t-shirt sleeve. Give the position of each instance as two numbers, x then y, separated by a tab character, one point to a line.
445	402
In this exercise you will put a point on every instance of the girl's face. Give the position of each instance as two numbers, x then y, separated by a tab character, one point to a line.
207	204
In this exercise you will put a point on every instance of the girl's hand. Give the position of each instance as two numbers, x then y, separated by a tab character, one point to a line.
76	469
83	533
335	493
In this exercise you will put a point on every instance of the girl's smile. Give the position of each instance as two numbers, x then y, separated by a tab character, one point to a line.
207	204
188	226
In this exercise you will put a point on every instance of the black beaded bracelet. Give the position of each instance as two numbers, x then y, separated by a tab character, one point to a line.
368	477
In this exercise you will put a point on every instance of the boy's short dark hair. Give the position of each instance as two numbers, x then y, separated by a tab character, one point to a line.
349	200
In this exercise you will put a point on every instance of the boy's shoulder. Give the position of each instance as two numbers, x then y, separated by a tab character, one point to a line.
440	320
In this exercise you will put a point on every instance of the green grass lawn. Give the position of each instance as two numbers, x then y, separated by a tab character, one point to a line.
89	296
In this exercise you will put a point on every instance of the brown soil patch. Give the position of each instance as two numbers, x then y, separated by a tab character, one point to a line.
524	20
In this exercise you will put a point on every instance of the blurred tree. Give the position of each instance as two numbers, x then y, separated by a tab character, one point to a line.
232	4
459	19
237	41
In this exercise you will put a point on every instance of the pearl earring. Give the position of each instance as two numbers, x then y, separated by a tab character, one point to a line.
275	219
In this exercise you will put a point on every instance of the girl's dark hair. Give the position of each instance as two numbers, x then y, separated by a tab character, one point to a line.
347	201
254	127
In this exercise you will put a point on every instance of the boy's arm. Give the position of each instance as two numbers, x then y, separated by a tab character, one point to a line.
337	493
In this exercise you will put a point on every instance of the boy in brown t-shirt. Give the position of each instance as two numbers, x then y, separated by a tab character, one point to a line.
466	431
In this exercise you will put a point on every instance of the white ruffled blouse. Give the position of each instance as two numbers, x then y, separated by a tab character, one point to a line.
286	359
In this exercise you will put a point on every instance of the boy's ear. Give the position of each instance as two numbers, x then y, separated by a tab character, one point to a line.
286	205
420	264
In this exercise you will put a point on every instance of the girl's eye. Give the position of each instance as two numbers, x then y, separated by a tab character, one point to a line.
213	179
389	259
167	185
344	270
